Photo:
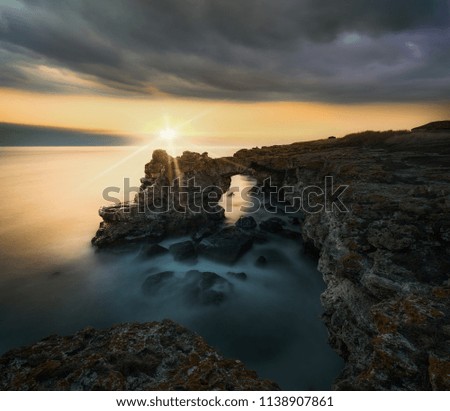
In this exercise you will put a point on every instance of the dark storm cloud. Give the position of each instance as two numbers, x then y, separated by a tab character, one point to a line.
320	50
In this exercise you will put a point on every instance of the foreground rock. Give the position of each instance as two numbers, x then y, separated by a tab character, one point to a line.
151	356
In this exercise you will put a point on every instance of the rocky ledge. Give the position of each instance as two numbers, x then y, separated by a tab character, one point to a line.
153	356
386	260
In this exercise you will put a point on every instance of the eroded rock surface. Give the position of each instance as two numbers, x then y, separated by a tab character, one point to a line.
386	260
169	202
151	356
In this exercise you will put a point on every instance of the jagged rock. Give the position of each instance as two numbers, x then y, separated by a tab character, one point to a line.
272	225
175	198
246	223
157	356
153	284
392	236
238	276
383	258
184	251
207	288
227	245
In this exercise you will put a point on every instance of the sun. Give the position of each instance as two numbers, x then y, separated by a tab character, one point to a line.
168	133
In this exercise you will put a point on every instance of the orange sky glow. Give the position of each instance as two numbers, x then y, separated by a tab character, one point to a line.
211	121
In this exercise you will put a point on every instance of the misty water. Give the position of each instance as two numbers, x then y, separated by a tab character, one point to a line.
53	282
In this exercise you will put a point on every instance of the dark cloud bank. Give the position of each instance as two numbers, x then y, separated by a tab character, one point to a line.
306	50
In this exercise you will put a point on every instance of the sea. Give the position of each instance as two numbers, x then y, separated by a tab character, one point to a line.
52	281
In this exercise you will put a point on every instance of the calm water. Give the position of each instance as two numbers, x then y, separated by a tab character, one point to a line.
52	281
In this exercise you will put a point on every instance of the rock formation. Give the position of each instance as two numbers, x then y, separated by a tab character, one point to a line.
153	356
435	126
168	202
386	261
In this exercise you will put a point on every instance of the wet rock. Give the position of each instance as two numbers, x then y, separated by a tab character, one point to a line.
207	288
157	356
237	276
246	223
227	245
183	251
155	282
272	225
202	233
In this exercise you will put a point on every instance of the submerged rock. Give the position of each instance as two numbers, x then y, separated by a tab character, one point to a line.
184	251
237	276
155	282
206	288
157	356
227	245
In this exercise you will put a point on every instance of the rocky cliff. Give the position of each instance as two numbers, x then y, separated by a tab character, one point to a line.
386	260
152	356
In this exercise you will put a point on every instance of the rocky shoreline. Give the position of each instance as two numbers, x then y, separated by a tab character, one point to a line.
385	260
157	356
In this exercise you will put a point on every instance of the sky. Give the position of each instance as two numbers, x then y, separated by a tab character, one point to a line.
225	71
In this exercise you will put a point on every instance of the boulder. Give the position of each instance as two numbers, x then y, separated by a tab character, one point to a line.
202	233
237	276
206	288
227	245
156	356
153	284
183	251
